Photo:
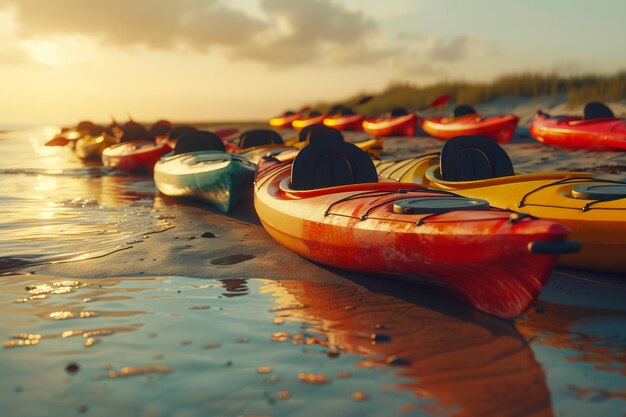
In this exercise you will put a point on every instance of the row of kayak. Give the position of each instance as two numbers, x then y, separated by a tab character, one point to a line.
597	129
462	220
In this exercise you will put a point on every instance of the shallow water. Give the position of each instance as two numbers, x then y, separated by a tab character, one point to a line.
178	346
54	207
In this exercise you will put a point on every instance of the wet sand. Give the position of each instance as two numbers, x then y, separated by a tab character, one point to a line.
234	324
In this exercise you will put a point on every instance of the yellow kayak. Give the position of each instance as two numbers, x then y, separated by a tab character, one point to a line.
91	147
594	210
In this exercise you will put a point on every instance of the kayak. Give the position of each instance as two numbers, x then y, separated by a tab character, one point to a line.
325	205
201	168
498	128
605	133
391	126
90	147
134	156
593	209
218	178
301	123
345	121
284	121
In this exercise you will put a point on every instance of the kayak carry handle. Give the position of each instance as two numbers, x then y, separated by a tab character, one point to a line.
554	248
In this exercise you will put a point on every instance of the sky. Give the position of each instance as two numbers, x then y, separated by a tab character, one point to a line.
62	61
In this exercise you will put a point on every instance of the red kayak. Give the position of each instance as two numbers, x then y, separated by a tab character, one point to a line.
466	121
403	125
135	156
284	121
597	130
314	118
326	205
345	121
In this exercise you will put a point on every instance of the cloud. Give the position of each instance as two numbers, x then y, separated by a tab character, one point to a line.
450	50
155	23
286	33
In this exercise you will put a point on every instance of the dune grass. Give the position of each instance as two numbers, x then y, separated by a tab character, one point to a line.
578	89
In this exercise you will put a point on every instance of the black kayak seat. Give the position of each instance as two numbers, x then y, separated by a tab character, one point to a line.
336	109
304	133
317	133
314	113
471	158
178	131
346	111
198	141
135	132
289	113
259	137
399	111
597	110
327	164
161	128
463	110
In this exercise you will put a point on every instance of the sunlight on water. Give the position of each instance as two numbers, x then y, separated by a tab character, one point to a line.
52	204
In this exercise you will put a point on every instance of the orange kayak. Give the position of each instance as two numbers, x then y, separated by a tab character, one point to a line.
345	121
498	128
495	260
284	121
603	132
313	119
391	126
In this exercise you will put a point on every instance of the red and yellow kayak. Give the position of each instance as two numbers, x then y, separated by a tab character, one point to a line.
134	156
345	121
492	259
575	132
284	121
313	119
498	128
391	126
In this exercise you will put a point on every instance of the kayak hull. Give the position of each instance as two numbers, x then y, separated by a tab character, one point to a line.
301	123
391	126
601	229
573	132
345	122
284	122
137	157
89	147
479	256
218	178
498	128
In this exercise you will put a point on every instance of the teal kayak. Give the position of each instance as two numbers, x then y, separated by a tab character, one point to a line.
215	177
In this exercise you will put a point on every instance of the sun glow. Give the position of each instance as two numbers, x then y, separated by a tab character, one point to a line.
45	52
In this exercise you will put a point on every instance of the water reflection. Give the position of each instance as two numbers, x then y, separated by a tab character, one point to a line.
580	333
473	366
364	349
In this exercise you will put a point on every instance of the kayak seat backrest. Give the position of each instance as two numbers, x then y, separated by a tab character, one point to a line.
178	131
161	128
314	113
597	110
259	137
327	164
346	111
135	132
289	113
399	111
198	141
316	133
336	109
471	158
463	110
305	132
